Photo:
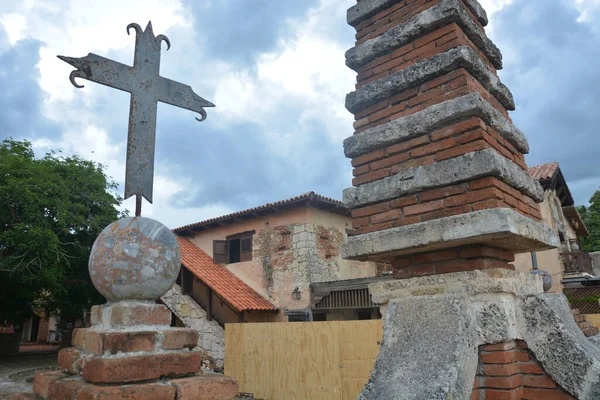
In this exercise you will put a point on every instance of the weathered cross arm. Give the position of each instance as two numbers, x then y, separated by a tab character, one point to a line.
101	70
181	95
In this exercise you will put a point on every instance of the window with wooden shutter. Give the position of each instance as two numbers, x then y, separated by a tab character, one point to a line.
220	255
246	249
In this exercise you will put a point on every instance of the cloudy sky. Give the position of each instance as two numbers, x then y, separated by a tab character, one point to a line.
275	69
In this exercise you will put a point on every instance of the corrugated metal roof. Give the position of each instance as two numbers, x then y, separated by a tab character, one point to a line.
222	281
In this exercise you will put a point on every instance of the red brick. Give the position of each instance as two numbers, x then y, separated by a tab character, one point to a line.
498	394
425	258
443	79
361	170
146	391
370	210
455	129
206	387
481	183
77	339
139	368
477	394
409	144
385	216
485	251
473	197
531	368
492	203
401	262
371	176
69	359
543	381
419	162
139	314
460	150
500	357
442	192
470	265
503	382
523	355
500	346
500	369
44	382
446	212
179	338
404	201
126	342
546	394
404	95
412	272
66	389
389	161
406	221
371	109
367	158
423	208
433	148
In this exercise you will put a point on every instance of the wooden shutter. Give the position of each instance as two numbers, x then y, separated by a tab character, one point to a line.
220	251
246	249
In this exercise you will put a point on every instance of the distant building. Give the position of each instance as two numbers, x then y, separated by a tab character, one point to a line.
567	263
258	265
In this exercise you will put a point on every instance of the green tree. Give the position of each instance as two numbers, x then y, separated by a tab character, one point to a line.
51	211
591	218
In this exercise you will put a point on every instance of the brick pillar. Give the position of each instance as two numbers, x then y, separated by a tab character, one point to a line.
440	182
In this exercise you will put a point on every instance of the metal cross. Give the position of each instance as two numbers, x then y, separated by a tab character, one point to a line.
146	87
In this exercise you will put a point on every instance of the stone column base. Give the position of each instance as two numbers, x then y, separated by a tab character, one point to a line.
438	332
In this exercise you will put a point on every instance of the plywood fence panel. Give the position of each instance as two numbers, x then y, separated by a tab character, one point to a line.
302	360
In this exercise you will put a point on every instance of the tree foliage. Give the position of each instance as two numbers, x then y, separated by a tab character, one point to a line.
591	218
51	211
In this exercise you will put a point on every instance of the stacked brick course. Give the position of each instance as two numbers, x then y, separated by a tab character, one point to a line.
510	371
428	103
586	326
131	352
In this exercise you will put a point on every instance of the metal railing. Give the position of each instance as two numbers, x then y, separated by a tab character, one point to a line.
577	262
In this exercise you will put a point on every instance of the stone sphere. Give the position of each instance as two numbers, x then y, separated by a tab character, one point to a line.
134	259
546	278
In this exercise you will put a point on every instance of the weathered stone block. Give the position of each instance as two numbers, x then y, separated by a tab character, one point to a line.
44	383
179	338
140	368
146	391
66	389
206	387
501	228
130	313
78	337
435	117
444	13
69	359
423	71
464	168
98	342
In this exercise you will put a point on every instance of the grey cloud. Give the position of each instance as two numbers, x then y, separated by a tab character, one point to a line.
551	64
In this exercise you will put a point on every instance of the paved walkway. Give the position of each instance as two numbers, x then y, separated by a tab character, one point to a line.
17	372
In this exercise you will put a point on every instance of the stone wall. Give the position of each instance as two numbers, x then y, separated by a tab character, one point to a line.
211	336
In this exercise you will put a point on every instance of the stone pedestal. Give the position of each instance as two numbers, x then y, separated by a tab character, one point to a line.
131	352
480	335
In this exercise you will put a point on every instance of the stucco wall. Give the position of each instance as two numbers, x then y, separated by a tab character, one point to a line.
291	249
550	260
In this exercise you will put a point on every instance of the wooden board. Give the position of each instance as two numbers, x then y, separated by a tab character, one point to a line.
302	360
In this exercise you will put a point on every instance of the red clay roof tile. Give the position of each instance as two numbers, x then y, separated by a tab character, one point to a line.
222	281
543	171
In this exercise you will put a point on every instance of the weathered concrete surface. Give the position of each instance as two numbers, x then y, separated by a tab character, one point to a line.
134	259
442	14
423	71
367	8
432	118
550	331
211	335
429	351
464	168
466	283
497	227
596	263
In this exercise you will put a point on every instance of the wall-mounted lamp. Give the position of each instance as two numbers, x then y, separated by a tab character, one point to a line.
296	295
